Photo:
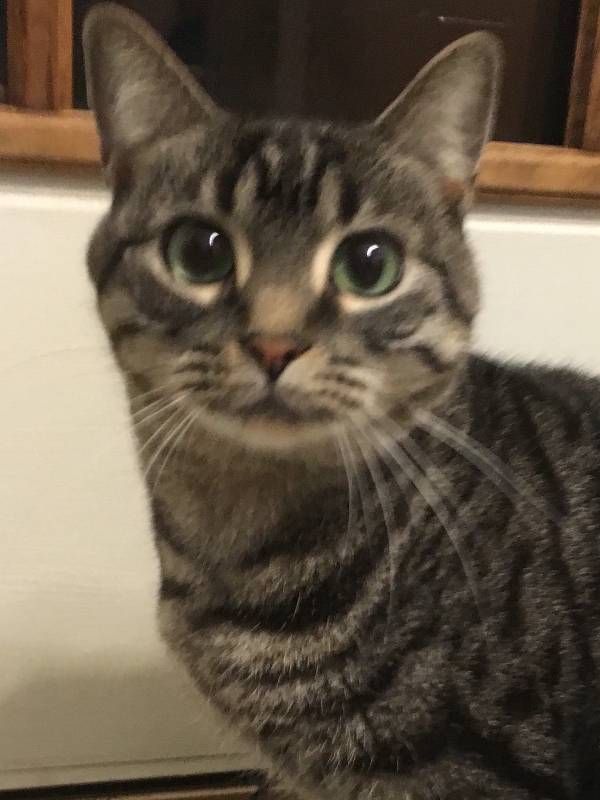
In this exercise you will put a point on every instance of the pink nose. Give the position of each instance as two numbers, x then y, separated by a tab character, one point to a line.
274	353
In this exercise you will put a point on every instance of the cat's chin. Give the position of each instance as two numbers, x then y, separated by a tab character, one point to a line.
267	428
271	421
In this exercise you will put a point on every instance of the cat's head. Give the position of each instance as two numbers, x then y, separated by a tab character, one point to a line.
281	280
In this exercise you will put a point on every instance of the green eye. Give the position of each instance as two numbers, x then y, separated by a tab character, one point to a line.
198	252
368	264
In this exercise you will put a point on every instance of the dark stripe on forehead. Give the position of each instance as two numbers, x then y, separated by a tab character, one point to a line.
285	187
349	200
246	149
284	183
330	153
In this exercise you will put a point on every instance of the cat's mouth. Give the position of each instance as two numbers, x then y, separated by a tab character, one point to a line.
274	406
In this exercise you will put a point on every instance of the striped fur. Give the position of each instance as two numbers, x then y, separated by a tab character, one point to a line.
385	571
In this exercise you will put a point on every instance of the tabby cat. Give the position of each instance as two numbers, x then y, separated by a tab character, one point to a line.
380	554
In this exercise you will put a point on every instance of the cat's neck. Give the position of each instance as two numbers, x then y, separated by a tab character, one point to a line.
230	499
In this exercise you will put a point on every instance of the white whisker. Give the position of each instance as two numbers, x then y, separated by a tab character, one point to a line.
161	427
182	430
483	458
173	426
166	405
342	447
387	509
437	504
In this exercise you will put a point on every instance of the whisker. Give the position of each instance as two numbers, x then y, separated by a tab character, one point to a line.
484	459
182	430
125	433
167	404
342	446
388	515
148	406
419	456
160	428
360	484
172	430
136	398
437	504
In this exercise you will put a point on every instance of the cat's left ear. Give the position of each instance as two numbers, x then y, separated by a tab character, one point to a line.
137	87
447	114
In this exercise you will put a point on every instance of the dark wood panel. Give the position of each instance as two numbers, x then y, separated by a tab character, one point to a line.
39	52
582	72
347	59
207	787
3	56
361	55
233	46
591	133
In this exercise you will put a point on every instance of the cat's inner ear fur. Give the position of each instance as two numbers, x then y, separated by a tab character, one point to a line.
137	87
447	114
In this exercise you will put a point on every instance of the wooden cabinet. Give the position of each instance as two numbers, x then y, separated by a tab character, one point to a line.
343	58
348	59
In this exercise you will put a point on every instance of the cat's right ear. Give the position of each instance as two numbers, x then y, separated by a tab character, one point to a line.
139	90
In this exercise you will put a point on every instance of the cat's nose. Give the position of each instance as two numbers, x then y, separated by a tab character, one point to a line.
274	353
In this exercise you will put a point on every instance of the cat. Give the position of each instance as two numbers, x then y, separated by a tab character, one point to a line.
380	554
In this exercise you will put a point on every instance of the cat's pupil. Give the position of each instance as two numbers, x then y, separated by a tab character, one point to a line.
366	261
204	250
198	252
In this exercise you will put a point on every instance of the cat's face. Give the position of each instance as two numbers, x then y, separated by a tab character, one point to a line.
281	281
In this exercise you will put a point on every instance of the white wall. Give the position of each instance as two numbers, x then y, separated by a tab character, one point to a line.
86	689
541	285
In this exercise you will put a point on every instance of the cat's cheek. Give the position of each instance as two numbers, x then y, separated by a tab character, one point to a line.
412	385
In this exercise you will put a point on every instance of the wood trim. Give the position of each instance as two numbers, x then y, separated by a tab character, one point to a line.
518	172
39	41
67	137
529	169
187	788
582	72
233	793
591	133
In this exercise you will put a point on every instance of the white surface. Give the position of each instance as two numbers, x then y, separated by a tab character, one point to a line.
86	689
541	286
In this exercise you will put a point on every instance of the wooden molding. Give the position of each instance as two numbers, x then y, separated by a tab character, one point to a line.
190	788
591	132
517	172
39	40
582	72
67	137
233	793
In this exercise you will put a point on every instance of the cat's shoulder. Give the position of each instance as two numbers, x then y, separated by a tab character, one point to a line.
572	387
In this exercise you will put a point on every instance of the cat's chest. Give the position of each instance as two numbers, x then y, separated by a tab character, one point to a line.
244	518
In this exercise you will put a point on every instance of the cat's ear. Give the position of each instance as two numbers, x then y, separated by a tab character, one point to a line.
447	114
137	87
